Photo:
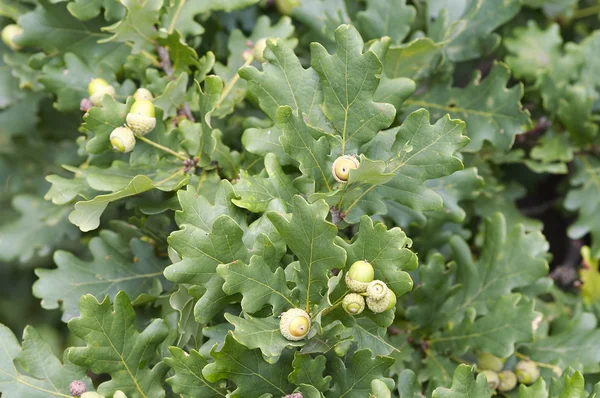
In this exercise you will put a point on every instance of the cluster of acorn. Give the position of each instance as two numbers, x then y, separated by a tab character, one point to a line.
525	372
360	280
77	389
140	119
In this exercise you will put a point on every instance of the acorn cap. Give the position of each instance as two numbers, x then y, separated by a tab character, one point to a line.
378	306
8	35
341	167
294	324
377	290
492	378
353	303
508	380
122	139
527	372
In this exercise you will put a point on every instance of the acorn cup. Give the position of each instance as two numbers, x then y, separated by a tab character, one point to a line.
294	324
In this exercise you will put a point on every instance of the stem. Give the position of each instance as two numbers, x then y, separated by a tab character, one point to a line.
161	147
176	16
586	12
333	307
232	82
540	364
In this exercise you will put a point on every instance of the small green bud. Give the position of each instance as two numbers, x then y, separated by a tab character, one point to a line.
492	378
140	118
487	361
358	277
294	324
143	94
377	290
286	7
9	33
353	303
97	89
122	139
508	381
527	372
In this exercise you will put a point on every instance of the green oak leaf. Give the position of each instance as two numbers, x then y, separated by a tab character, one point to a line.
99	122
575	343
309	370
322	17
551	150
355	381
499	270
255	192
252	375
299	142
188	378
40	229
497	119
464	385
536	390
283	81
415	60
387	251
44	374
258	284
584	197
85	10
117	265
387	18
472	35
173	97
114	346
189	330
509	321
182	55
349	78
311	238
181	15
138	25
51	27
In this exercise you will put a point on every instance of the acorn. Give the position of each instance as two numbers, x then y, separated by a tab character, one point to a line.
91	394
492	378
142	94
377	290
527	372
140	118
392	303
8	36
381	305
294	324
122	139
487	361
507	381
119	394
353	303
97	89
342	166
358	277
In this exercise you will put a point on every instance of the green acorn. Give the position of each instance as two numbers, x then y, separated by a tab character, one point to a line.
122	139
119	394
487	361
508	381
381	305
527	372
353	303
140	118
97	89
142	94
8	36
294	324
392	303
377	290
259	50
492	378
91	394
358	277
341	167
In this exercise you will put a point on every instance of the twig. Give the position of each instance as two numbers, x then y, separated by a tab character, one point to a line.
186	112
565	274
161	147
336	215
165	61
233	81
586	12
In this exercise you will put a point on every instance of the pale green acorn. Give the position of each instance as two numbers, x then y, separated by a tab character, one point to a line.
527	372
8	36
142	94
487	361
341	167
353	303
91	394
122	139
492	378
97	89
294	324
381	305
508	381
119	394
358	277
377	290
140	118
